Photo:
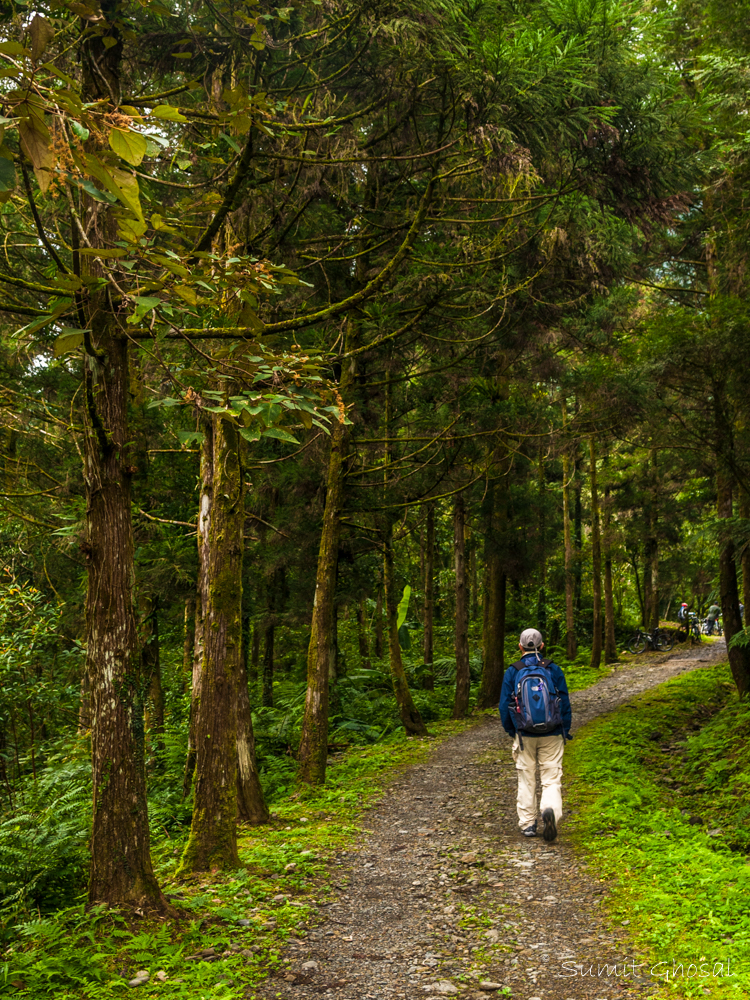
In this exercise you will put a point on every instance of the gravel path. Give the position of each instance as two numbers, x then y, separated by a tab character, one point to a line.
444	837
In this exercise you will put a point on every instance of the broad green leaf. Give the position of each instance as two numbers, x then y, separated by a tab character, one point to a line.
131	146
189	437
69	340
403	606
167	113
280	435
249	435
143	305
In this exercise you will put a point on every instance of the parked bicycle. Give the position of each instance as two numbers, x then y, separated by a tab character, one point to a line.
711	628
660	639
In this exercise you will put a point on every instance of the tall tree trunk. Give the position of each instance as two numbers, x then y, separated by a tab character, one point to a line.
407	710
379	624
188	641
652	555
493	665
213	832
461	635
570	634
610	643
429	599
151	658
363	637
577	533
745	513
313	751
268	643
739	657
541	602
121	870
474	578
596	563
251	806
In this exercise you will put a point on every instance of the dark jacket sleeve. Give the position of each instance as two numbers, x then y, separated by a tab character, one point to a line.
562	689
509	681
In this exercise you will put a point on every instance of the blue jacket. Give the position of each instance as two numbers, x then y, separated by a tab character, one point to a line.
509	684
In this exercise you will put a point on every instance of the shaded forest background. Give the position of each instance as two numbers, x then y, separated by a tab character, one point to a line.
339	344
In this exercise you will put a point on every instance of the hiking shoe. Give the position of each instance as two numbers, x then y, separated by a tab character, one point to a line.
550	827
530	831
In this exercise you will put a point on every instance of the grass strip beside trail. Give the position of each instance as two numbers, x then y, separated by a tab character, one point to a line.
656	793
246	916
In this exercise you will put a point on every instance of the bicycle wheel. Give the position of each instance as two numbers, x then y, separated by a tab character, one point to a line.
663	640
695	635
638	643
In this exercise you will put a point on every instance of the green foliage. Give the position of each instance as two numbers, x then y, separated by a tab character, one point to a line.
639	774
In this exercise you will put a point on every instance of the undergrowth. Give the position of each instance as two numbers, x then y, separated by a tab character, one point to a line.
655	787
246	916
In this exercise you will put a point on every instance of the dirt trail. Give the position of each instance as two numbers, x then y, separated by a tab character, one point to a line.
446	834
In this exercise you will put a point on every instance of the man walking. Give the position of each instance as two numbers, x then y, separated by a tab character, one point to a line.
535	711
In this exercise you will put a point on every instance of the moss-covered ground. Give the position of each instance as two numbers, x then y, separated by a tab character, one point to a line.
659	791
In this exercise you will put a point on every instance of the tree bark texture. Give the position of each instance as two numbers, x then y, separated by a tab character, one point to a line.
745	562
596	563
121	870
269	634
251	806
570	625
188	640
739	657
407	710
577	533
313	750
363	637
151	658
493	666
379	625
610	642
461	634
429	599
213	832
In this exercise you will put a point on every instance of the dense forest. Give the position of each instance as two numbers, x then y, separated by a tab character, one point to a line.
340	342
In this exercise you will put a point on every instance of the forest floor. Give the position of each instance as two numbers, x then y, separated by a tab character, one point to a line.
444	896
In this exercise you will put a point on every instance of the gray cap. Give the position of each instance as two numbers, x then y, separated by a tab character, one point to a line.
531	638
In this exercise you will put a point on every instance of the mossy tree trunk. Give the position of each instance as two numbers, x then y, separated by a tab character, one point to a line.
407	710
610	643
429	599
461	634
121	870
313	750
493	666
188	641
570	624
251	806
745	562
212	842
596	562
152	673
363	636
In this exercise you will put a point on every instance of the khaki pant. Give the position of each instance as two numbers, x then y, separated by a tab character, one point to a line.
547	752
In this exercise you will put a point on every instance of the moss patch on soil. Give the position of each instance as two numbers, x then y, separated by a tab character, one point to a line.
659	795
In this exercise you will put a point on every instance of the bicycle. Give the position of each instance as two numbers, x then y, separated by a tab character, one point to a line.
659	639
715	630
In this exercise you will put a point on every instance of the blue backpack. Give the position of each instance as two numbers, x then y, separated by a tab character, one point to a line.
535	703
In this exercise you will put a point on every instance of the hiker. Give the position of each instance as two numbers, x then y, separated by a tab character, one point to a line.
714	613
683	617
535	711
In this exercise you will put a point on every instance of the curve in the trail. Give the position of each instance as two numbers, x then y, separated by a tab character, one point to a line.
444	837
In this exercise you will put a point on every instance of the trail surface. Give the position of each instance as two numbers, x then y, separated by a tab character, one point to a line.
446	833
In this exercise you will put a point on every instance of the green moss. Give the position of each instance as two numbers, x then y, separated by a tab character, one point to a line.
638	775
